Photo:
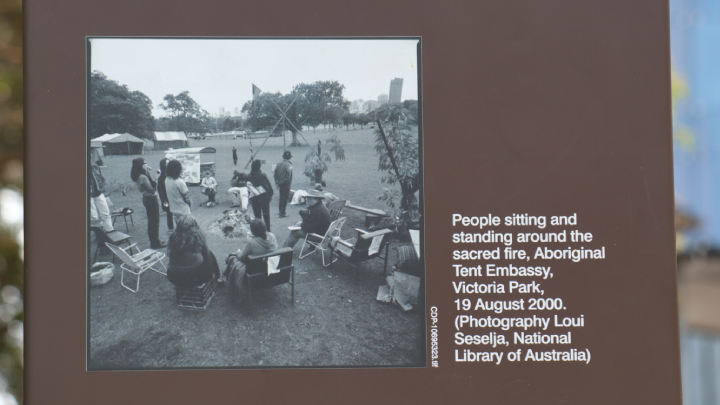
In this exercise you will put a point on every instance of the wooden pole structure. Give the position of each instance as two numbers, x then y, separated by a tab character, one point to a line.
293	125
301	135
252	156
390	154
406	188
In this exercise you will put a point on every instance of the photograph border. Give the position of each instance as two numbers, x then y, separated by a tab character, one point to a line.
421	201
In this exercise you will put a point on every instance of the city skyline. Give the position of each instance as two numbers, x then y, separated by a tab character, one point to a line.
220	72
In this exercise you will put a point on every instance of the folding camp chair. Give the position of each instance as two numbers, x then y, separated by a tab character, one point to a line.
270	270
137	264
124	213
320	242
367	246
114	237
335	209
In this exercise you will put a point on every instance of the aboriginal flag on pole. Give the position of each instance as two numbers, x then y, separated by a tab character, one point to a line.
256	92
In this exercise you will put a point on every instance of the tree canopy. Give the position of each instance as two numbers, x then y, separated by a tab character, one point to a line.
185	114
398	151
307	105
407	111
116	109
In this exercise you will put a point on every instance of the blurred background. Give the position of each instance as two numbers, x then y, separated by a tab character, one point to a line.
11	202
695	46
695	50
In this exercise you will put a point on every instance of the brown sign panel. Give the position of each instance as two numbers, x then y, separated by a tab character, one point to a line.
547	197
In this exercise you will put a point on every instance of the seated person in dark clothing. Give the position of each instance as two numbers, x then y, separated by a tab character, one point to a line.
260	243
316	219
191	262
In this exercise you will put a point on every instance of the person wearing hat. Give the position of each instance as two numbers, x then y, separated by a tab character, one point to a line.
328	196
283	180
316	219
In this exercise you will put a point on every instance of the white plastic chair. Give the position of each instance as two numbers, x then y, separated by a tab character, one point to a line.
137	264
322	243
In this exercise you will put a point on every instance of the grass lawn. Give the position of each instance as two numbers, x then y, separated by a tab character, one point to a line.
335	320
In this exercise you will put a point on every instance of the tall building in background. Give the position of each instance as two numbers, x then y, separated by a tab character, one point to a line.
395	90
356	106
370	105
222	111
382	99
237	112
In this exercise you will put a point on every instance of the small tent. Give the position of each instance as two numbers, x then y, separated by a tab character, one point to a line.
120	144
167	140
96	151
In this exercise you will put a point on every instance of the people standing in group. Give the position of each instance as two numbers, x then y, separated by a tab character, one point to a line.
283	180
235	158
140	174
238	191
191	262
316	219
261	203
163	193
177	191
99	208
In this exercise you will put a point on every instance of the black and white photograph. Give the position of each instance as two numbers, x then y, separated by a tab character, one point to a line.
254	203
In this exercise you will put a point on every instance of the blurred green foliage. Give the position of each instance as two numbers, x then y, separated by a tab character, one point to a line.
11	181
682	134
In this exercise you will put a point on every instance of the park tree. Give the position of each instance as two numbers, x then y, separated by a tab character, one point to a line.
306	105
116	109
231	123
396	144
317	161
362	119
334	116
162	124
348	119
185	114
411	107
406	111
325	102
264	113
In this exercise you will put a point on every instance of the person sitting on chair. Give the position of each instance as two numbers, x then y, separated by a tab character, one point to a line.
238	191
316	219
260	243
192	263
209	188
